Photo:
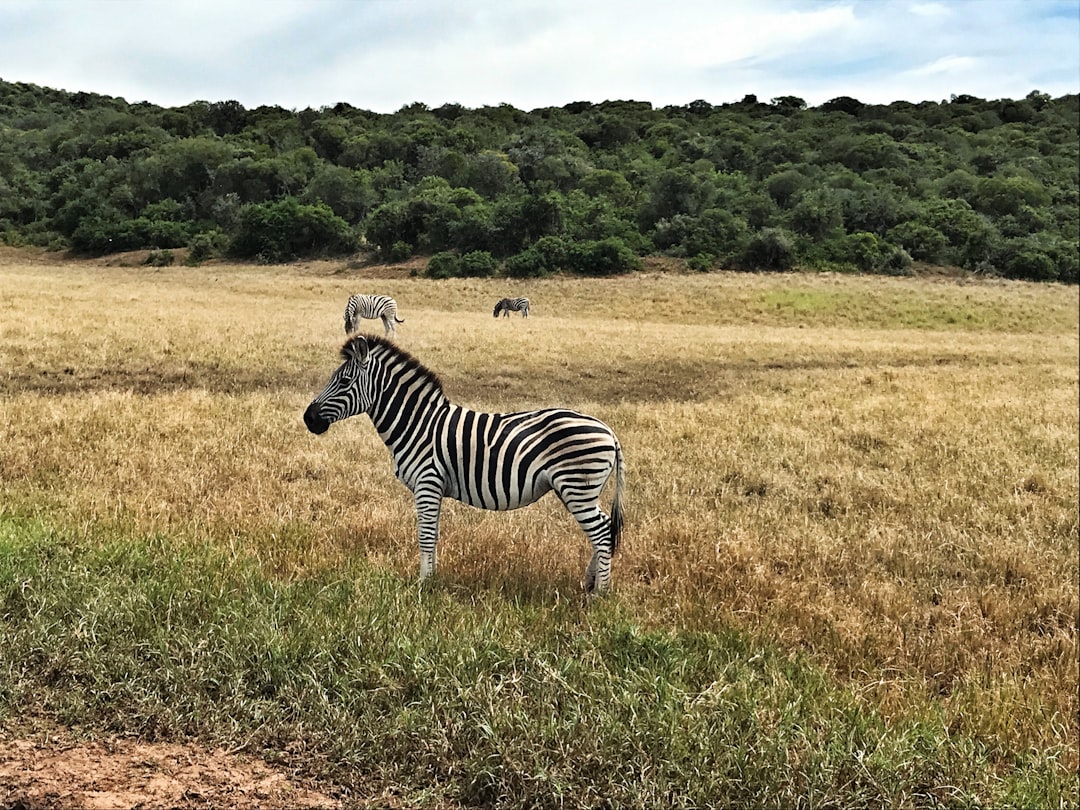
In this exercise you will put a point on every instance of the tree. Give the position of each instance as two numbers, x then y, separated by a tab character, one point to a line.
604	257
346	192
787	105
769	249
844	104
286	229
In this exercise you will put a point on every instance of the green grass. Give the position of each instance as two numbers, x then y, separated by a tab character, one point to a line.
488	697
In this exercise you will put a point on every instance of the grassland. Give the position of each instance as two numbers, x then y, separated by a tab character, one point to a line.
849	576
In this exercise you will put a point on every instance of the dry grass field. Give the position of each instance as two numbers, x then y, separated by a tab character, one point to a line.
876	475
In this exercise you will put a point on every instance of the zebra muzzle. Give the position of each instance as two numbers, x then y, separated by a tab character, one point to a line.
316	423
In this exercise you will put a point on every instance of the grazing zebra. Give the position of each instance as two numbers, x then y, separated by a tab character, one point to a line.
508	305
372	306
490	460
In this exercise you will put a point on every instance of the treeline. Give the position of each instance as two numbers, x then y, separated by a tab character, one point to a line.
988	185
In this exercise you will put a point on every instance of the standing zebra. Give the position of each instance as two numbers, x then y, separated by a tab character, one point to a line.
372	306
490	460
508	305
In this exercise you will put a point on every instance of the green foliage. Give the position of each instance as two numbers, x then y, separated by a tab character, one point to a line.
206	245
287	229
921	241
443	265
475	264
160	258
701	262
548	255
478	264
604	257
869	254
954	183
769	249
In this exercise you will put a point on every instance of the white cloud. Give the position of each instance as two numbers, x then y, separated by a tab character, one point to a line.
931	10
946	65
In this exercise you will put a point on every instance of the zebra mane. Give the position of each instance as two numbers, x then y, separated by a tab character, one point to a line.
398	354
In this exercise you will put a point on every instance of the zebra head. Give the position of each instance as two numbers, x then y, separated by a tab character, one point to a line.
347	394
498	308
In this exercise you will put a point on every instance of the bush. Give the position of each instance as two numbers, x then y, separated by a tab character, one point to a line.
475	264
443	265
286	229
547	255
159	258
399	252
923	242
478	263
702	262
205	245
769	249
527	264
605	257
870	254
1031	264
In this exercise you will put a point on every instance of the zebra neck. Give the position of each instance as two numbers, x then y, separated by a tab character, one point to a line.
404	410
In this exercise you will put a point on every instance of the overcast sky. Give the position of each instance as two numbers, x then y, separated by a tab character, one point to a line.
383	54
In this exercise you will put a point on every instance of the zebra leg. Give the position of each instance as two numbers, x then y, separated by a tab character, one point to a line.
388	327
598	573
590	573
428	506
597	527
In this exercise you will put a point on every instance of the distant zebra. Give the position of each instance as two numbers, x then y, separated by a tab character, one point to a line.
372	306
508	305
490	460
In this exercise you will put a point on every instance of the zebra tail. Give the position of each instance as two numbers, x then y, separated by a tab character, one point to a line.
399	320
616	505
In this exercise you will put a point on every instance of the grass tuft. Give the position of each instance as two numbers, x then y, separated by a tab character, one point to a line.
452	694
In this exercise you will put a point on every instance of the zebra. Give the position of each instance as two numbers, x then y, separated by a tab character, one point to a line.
508	305
497	461
372	306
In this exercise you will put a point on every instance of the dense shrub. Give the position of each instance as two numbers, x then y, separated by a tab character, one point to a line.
160	258
287	229
605	257
443	265
206	245
478	263
547	255
869	254
769	249
474	264
969	182
922	242
527	264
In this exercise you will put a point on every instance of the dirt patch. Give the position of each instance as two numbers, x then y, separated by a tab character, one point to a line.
61	773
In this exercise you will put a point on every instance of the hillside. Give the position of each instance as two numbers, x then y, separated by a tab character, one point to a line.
987	185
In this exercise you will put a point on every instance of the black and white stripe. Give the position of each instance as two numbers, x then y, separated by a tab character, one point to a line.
372	306
489	460
508	305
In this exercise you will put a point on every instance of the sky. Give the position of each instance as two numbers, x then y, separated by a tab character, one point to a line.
381	55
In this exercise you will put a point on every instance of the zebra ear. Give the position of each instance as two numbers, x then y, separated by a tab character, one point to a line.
355	349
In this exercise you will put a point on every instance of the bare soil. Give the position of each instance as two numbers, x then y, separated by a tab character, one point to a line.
58	772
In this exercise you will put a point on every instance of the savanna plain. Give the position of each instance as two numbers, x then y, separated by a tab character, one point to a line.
849	575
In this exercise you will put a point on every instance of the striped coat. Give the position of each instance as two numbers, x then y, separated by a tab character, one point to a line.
382	307
488	460
507	305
